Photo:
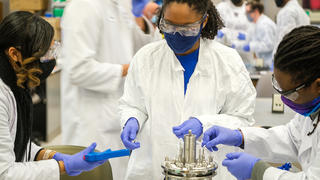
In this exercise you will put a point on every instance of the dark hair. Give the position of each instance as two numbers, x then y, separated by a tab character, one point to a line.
298	54
32	36
201	6
256	4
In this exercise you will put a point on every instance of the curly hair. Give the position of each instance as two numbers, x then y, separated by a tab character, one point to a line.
32	36
201	6
298	54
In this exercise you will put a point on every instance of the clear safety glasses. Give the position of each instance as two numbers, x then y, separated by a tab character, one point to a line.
52	53
289	94
185	30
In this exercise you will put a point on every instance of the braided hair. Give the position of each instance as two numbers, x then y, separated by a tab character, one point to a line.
298	54
201	6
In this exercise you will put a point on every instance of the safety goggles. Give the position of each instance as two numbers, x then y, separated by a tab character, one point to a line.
292	94
185	30
52	53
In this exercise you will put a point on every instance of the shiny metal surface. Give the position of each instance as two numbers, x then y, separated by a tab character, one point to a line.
187	166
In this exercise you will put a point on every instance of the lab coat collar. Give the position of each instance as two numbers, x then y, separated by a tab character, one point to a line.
202	65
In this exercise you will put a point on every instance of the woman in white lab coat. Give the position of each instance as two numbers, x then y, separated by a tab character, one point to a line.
99	39
297	79
186	75
24	39
290	16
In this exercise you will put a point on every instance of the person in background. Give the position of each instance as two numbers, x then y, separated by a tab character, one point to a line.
262	40
290	16
99	39
24	39
150	12
297	79
236	23
186	79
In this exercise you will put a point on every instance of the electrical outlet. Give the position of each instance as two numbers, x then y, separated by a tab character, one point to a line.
277	104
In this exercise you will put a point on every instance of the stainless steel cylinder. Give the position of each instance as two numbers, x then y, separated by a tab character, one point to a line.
190	148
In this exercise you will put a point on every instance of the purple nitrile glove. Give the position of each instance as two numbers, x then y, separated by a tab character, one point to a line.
246	48
240	164
220	34
192	124
221	135
129	134
241	36
138	7
75	164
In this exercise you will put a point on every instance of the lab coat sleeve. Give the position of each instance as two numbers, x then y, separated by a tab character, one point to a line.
285	23
278	144
264	42
81	35
11	170
132	102
239	104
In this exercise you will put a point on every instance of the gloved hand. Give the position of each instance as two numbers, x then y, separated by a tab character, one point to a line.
233	46
129	134
220	34
241	36
75	164
192	124
138	6
240	164
220	135
246	48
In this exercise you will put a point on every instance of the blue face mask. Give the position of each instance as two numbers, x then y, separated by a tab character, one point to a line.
250	19
304	109
180	44
154	19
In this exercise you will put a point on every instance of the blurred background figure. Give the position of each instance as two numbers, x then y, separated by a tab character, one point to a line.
99	39
150	12
236	23
262	39
290	16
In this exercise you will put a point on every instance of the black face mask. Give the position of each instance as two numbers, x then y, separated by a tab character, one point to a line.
46	68
236	2
279	3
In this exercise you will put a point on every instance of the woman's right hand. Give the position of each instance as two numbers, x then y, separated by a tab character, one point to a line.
75	164
219	135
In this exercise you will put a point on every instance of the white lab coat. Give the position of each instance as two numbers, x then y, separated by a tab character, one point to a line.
219	92
9	169
98	37
289	17
287	143
235	21
263	39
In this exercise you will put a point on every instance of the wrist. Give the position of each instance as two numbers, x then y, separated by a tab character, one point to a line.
240	141
61	167
45	154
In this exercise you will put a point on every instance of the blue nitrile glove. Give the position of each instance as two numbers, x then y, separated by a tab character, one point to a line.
138	6
286	166
192	124
233	46
221	135
75	164
246	48
240	164
220	34
129	134
241	36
